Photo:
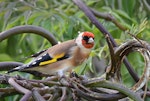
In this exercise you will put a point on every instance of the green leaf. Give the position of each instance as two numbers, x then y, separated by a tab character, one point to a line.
5	57
129	6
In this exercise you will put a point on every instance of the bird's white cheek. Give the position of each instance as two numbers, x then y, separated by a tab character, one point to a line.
79	41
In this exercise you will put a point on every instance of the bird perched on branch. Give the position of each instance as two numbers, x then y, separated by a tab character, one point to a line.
62	57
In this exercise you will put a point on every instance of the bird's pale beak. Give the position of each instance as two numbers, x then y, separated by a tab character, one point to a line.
91	40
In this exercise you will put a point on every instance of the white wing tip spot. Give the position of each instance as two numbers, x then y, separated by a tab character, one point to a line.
33	63
39	58
44	54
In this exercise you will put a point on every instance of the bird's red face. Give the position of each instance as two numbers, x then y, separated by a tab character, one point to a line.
88	40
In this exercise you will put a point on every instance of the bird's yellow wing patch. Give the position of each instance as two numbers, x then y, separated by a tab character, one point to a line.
48	62
54	59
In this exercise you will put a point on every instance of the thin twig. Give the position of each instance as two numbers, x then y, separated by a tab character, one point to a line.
146	5
21	89
109	17
37	96
145	76
64	93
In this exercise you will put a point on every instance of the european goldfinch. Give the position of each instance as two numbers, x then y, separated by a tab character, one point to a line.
62	57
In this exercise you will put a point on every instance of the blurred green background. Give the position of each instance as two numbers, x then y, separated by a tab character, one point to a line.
64	20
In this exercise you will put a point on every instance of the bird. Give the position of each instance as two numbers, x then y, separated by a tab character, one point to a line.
61	58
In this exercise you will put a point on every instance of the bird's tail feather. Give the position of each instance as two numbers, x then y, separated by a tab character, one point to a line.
19	68
12	70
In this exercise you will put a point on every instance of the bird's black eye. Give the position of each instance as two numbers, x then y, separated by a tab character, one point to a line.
85	38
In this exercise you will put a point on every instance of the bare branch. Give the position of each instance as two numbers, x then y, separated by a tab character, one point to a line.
146	5
28	29
4	66
109	17
115	86
19	88
7	91
121	52
37	96
64	95
145	76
